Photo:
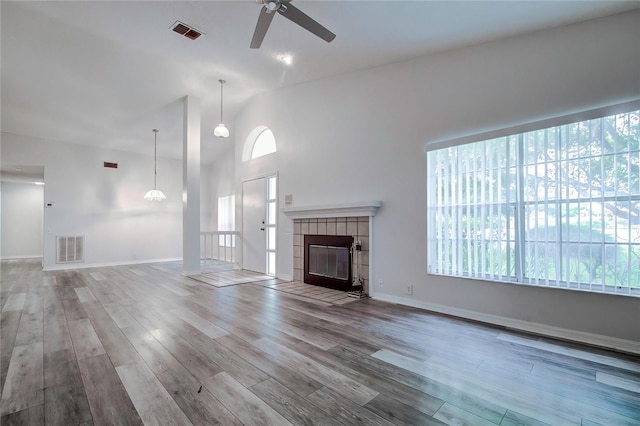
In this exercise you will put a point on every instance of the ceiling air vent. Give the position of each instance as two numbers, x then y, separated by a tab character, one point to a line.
186	30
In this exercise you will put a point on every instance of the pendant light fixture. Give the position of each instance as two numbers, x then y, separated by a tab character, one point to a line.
155	194
221	131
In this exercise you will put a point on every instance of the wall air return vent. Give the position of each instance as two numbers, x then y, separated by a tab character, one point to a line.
69	249
186	30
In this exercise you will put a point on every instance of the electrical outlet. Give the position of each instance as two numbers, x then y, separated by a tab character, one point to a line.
380	284
410	289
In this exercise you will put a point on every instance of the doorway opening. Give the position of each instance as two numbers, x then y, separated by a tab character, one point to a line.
22	221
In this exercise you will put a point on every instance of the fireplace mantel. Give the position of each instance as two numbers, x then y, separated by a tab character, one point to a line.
362	208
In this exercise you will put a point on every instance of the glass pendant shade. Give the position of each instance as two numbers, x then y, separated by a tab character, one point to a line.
221	131
155	194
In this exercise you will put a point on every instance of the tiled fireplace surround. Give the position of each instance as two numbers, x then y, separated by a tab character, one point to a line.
350	219
357	227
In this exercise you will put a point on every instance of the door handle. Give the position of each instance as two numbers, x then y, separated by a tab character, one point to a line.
262	229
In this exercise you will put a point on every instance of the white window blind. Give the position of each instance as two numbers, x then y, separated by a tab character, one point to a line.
227	219
557	207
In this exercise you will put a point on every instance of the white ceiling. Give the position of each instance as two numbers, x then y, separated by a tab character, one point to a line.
106	73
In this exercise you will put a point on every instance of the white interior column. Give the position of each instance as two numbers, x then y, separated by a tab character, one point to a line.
191	187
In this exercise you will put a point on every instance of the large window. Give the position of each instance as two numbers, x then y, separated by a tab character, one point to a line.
556	207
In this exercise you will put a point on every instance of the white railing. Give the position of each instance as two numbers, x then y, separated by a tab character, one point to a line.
218	246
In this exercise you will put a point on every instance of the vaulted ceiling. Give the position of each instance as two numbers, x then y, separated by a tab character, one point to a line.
105	73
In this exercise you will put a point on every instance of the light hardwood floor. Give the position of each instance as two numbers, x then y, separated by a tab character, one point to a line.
142	345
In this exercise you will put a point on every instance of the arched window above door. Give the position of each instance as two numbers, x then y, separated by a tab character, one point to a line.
260	142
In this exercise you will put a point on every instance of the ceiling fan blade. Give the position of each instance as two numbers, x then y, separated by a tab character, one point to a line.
264	20
294	14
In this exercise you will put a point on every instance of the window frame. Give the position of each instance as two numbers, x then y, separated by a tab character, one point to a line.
520	204
271	215
252	139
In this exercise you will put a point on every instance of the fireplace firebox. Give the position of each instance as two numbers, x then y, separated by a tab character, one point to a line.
327	261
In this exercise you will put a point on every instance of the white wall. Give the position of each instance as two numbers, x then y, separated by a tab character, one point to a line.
361	136
205	197
105	205
21	221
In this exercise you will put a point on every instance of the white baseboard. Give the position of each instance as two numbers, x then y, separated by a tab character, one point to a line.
593	339
66	266
33	256
285	277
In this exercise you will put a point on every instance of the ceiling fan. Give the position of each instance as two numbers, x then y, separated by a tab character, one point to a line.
292	13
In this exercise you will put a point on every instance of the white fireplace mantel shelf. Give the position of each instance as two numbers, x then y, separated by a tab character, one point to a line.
362	208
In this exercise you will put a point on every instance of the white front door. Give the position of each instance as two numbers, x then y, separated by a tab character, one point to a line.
254	216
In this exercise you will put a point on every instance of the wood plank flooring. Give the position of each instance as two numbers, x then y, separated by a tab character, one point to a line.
144	345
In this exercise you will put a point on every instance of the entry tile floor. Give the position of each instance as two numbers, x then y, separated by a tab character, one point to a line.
322	294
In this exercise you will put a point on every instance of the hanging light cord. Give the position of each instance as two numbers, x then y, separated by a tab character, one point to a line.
155	194
221	97
155	159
